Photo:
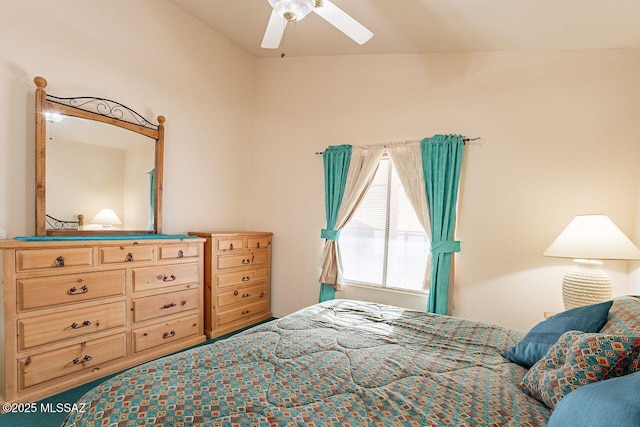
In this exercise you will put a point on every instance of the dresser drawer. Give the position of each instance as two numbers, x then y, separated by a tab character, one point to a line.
42	259
119	254
258	242
54	290
230	244
42	367
242	260
164	304
162	333
164	275
245	294
245	277
35	331
249	310
186	250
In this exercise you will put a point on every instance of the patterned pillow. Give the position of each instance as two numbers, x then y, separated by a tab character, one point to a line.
578	359
624	316
624	319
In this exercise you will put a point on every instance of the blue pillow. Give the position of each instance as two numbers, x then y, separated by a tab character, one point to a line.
613	402
540	338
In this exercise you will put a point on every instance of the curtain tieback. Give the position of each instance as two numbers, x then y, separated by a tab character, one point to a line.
330	234
445	246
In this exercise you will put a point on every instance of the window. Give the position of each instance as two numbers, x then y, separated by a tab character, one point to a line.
384	244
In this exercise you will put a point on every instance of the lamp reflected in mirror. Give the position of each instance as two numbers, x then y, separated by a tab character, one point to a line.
106	219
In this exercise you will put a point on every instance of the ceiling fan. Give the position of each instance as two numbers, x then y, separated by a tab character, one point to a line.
285	11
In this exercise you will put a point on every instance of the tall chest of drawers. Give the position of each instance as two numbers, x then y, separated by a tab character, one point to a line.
237	280
77	310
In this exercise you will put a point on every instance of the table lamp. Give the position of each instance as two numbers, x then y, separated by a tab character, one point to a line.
107	218
588	239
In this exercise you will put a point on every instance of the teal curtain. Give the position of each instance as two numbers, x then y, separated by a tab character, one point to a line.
152	196
441	165
336	165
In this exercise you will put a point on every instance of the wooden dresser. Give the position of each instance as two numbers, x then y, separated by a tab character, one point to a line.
77	310
237	280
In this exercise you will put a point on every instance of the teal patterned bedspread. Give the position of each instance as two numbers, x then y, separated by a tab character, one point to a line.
340	363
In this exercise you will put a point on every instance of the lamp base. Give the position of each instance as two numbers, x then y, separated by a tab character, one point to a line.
585	284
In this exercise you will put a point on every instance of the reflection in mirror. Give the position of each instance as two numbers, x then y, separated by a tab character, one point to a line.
93	166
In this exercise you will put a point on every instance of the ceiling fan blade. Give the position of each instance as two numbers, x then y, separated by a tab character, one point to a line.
342	21
274	32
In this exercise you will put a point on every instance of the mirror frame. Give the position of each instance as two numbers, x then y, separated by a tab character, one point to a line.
113	114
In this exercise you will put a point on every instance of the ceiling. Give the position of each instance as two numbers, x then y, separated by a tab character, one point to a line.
418	26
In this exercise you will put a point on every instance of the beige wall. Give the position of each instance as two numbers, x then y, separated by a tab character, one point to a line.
559	137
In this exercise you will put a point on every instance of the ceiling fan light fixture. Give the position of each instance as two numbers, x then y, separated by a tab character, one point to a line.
285	11
293	10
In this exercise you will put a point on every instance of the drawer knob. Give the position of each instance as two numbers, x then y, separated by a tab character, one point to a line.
180	253
261	294
235	293
129	257
171	305
60	262
75	291
169	278
246	278
86	323
169	334
246	261
86	358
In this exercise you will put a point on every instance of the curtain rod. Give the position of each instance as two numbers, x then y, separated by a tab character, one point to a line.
465	140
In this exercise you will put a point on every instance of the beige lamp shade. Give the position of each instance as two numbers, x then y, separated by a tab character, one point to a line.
586	239
592	237
106	217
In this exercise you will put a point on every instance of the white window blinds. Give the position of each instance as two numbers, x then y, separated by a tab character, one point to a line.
384	244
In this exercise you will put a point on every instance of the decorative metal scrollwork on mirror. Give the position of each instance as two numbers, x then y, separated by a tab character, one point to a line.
96	160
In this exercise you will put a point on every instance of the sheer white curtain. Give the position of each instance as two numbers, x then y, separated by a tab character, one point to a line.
362	167
407	159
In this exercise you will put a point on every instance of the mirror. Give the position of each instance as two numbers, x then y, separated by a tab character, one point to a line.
98	167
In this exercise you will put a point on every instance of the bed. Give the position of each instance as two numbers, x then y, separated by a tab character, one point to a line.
339	363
